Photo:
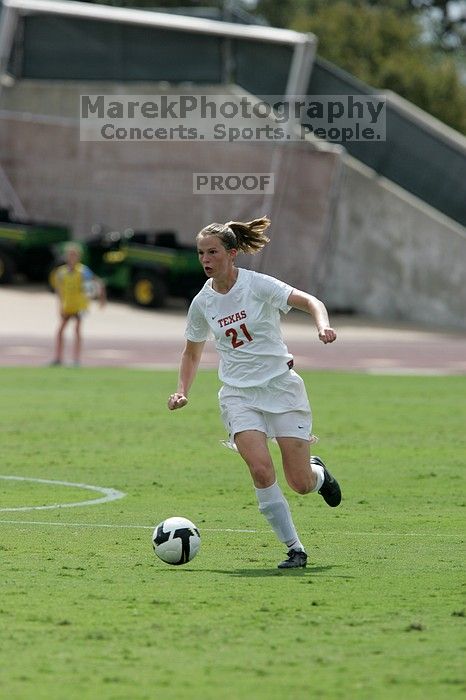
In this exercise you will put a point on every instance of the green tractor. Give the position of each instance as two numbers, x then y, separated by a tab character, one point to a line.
27	248
144	267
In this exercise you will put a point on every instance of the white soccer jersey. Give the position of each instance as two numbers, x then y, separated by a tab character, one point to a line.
245	324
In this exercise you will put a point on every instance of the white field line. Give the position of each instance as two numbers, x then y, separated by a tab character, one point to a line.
109	494
113	494
107	525
228	529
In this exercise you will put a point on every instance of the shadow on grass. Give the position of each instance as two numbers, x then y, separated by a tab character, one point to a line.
308	572
263	573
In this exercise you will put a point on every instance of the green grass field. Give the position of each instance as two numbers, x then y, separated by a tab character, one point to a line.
88	612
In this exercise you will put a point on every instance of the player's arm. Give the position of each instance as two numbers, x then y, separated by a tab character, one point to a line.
313	306
102	290
188	367
98	285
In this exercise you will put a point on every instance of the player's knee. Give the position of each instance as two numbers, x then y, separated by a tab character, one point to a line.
301	486
262	476
303	489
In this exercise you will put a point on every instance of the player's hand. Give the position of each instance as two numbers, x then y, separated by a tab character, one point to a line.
177	401
327	335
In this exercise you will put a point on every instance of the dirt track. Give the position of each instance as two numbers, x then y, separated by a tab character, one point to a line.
120	335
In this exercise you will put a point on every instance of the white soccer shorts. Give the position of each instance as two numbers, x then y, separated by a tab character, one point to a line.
278	409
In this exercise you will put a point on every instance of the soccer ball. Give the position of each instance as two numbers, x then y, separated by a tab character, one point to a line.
176	540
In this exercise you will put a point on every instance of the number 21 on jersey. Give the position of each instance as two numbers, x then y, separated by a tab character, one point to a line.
236	337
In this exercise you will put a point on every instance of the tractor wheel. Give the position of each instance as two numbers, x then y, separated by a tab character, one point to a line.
7	268
148	290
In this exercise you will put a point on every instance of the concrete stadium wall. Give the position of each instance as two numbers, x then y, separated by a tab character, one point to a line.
394	257
339	230
149	186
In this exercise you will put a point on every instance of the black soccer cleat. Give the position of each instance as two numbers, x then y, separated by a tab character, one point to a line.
296	559
330	489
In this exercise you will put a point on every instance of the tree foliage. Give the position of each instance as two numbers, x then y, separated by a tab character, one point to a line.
447	22
413	47
444	19
384	45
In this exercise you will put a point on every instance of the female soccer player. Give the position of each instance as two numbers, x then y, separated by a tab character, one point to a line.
70	281
261	397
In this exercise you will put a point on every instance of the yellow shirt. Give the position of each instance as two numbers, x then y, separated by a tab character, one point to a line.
70	285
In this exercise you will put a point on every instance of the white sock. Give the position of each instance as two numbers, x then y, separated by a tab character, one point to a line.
274	506
318	471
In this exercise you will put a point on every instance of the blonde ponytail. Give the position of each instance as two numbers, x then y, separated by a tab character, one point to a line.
248	237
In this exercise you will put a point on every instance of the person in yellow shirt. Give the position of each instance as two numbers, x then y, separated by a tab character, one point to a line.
72	282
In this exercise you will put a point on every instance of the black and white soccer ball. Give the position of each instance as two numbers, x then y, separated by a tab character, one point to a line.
176	540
